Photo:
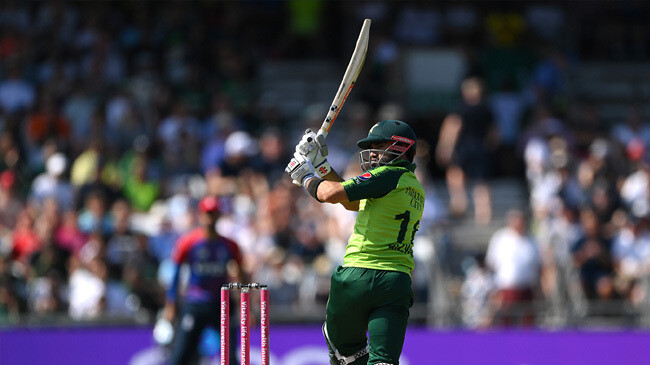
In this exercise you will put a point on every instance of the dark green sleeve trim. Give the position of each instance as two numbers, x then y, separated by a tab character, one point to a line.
373	184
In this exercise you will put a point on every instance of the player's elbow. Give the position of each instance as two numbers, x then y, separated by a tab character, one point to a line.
328	197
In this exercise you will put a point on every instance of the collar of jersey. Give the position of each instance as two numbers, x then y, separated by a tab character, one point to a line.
403	163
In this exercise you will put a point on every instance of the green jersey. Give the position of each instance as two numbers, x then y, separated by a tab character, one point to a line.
390	209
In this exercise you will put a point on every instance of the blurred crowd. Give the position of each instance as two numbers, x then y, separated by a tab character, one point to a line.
116	118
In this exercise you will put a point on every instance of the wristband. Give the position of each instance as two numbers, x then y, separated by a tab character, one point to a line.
312	187
323	168
305	179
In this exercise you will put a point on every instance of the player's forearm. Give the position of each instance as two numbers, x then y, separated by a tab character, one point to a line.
333	176
333	192
171	291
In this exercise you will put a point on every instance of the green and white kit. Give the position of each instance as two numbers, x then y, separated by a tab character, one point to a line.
390	209
372	289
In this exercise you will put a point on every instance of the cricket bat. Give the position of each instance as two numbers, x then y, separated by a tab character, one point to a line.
349	78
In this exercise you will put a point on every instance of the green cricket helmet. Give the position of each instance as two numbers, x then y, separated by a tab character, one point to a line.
400	133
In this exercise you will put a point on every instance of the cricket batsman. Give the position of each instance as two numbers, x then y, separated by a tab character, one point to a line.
371	292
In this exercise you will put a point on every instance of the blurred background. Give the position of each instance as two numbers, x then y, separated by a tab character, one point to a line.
117	117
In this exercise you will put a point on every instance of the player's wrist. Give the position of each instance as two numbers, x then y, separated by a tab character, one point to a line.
305	180
312	187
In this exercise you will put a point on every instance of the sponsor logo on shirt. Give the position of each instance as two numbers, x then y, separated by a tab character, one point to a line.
365	176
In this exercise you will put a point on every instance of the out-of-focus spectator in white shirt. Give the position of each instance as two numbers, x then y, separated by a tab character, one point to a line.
87	284
634	191
514	258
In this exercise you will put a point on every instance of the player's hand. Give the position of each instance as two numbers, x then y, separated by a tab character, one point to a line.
307	144
300	169
314	148
163	332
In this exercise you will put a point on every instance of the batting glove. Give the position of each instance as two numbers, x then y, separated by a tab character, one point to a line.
314	148
300	169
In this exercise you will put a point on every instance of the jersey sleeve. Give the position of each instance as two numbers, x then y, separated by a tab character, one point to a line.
372	184
236	252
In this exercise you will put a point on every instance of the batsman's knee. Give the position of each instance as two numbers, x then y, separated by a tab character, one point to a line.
336	358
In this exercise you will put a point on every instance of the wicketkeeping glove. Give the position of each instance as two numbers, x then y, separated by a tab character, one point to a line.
300	169
313	147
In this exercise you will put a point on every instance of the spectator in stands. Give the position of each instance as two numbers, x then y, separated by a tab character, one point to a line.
122	242
46	272
48	217
25	241
271	157
634	190
10	204
17	95
592	256
11	157
47	123
162	243
94	184
53	184
87	285
508	106
78	109
93	217
85	167
588	125
179	135
139	274
548	81
9	299
140	190
465	144
476	291
43	295
631	258
68	236
561	278
632	135
218	126
514	258
122	124
239	147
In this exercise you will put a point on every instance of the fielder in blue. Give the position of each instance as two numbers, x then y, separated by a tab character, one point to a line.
213	260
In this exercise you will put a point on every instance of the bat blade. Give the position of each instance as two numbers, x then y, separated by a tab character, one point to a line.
349	78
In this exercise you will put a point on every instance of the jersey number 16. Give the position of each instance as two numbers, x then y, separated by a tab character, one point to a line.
405	218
